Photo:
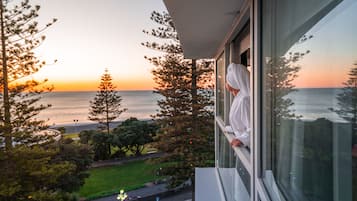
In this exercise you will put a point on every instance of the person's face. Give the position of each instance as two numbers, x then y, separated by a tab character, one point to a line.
232	90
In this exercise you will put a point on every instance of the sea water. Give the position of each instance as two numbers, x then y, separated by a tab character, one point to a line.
315	103
73	107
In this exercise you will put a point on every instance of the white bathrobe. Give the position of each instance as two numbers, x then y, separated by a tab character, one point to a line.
239	114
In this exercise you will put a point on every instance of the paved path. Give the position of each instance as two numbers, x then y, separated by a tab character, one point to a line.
151	191
142	192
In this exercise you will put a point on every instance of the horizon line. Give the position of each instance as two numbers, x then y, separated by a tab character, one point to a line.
98	90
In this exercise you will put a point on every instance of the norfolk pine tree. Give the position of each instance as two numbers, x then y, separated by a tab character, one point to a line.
347	102
20	35
185	116
347	109
106	105
28	168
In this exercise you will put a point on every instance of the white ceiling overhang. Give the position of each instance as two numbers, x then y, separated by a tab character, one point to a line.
202	25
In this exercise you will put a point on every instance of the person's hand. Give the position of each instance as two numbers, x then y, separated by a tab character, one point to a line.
236	143
228	129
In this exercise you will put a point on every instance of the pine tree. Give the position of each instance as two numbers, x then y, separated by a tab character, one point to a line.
20	35
347	102
106	105
29	170
185	117
280	73
347	109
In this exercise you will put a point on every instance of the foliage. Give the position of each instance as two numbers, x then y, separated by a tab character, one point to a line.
106	106
185	117
99	141
20	35
31	168
281	72
106	181
347	109
133	135
31	172
86	136
78	154
61	129
347	102
101	146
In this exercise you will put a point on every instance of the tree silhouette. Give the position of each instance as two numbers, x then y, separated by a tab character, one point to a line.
185	116
29	169
20	34
347	110
347	102
281	72
133	134
106	105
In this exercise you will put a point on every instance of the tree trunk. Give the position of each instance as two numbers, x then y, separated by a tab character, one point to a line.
107	114
7	117
194	110
107	123
194	97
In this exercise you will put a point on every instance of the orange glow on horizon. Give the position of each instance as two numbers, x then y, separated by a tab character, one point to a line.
315	79
93	85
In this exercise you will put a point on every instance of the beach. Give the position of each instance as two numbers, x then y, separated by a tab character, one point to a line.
76	128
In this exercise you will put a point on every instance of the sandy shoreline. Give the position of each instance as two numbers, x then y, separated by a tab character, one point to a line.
78	127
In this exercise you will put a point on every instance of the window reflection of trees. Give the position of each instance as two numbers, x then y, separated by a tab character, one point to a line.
280	73
301	151
347	102
347	109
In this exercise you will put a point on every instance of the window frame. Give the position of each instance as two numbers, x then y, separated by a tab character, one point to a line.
261	193
248	159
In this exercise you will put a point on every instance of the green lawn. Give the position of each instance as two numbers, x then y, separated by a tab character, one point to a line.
72	135
147	148
109	180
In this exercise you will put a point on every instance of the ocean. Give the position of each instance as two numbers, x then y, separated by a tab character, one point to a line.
315	103
72	107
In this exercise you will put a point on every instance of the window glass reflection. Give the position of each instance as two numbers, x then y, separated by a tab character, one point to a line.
220	86
310	99
234	176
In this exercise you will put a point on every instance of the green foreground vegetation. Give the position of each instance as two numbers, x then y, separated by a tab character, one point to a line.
109	180
71	135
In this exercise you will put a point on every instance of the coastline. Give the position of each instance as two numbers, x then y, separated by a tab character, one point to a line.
78	127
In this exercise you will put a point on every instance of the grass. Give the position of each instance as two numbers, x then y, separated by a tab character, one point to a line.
72	135
147	149
109	180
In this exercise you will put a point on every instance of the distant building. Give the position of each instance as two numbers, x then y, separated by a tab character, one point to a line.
299	53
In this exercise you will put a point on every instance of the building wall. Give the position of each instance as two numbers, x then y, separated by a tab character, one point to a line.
303	64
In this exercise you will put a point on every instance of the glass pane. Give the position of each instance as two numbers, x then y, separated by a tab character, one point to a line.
234	177
226	166
310	99
220	86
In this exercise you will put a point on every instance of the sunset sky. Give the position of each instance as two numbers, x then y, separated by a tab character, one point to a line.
332	49
92	35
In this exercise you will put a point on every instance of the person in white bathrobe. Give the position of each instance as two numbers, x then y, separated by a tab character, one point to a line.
237	82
